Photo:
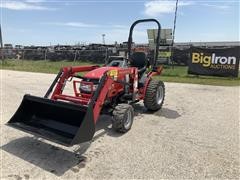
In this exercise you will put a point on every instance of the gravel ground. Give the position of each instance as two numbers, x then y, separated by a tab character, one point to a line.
195	135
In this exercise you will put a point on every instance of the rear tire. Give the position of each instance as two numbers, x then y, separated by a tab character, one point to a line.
122	118
155	95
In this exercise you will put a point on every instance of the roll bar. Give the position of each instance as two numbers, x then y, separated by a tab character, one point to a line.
158	37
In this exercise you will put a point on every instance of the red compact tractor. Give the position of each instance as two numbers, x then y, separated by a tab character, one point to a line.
111	89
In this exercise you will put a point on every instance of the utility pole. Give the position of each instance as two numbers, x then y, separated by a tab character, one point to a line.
103	38
1	42
174	28
175	21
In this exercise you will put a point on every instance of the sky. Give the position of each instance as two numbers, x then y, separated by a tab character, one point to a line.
49	22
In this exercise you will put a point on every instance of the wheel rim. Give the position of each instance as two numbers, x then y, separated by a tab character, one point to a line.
128	120
159	95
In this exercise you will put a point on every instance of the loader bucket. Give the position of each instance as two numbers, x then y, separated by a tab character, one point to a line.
61	122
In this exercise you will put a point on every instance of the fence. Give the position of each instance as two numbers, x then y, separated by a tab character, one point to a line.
97	56
179	55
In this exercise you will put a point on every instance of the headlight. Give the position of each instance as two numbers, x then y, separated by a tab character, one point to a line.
88	87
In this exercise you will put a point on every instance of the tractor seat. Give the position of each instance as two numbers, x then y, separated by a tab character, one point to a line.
139	60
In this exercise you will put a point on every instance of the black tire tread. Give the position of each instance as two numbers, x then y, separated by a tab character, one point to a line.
118	117
150	96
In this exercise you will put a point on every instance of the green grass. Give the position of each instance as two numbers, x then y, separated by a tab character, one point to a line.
38	66
180	75
176	74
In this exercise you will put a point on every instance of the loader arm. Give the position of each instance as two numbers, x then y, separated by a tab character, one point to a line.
99	96
62	77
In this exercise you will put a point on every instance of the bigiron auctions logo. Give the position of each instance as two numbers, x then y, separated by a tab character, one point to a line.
213	61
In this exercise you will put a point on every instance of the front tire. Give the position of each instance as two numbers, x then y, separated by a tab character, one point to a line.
122	120
154	96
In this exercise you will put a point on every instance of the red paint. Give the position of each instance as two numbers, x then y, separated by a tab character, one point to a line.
111	86
98	73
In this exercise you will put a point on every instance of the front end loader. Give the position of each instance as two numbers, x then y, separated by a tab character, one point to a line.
111	89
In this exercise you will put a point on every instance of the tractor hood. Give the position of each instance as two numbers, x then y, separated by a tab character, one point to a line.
98	73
